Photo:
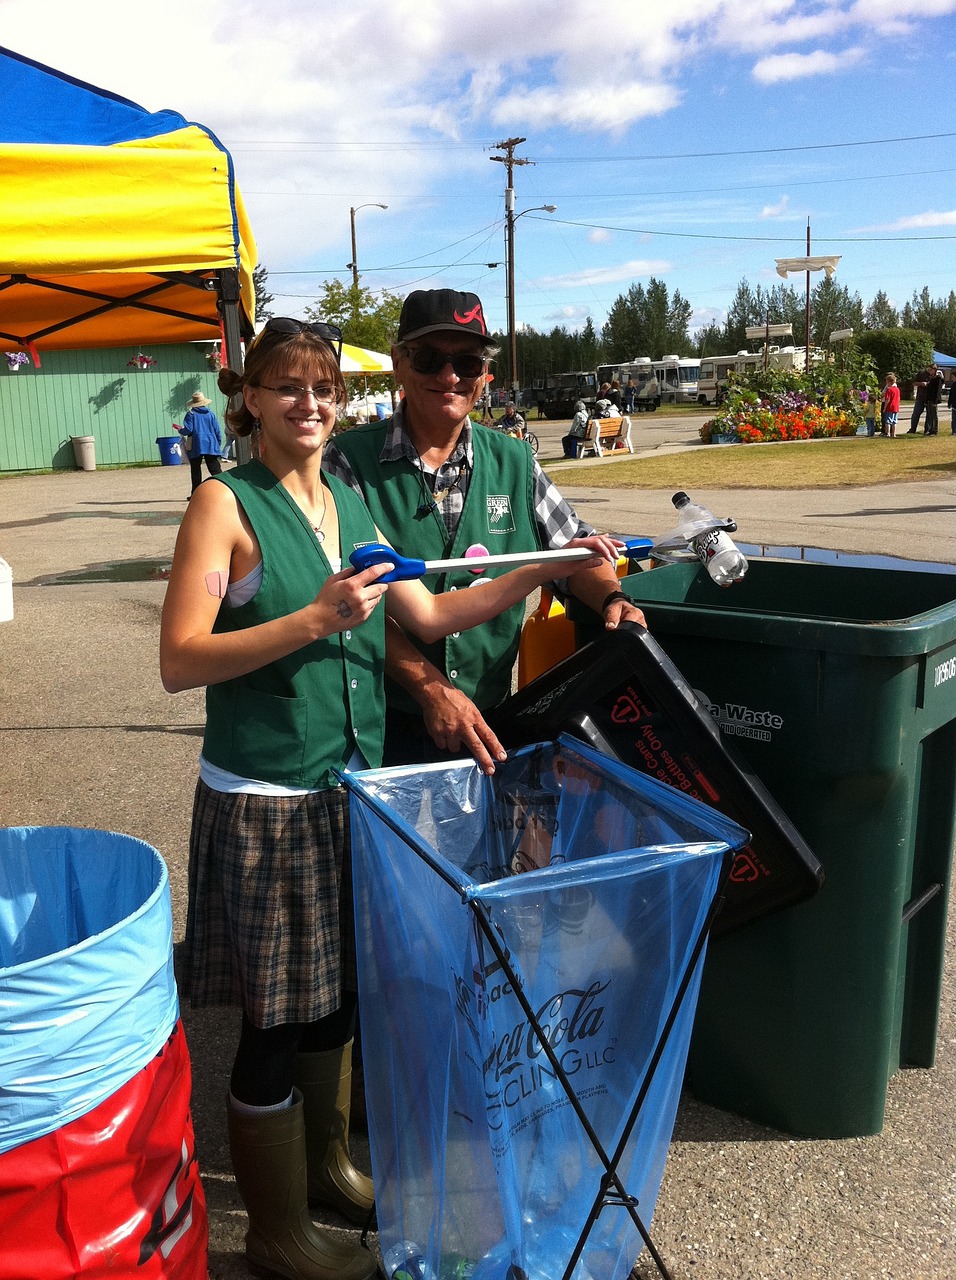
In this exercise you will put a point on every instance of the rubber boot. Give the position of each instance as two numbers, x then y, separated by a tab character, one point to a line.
325	1081
268	1156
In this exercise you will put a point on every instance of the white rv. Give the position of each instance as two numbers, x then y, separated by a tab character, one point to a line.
678	377
715	370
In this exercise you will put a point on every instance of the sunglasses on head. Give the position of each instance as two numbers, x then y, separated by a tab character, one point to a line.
431	360
329	333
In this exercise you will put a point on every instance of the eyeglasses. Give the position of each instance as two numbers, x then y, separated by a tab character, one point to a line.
431	360
292	393
329	333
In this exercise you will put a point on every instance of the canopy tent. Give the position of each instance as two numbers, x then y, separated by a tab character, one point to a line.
358	360
117	225
944	361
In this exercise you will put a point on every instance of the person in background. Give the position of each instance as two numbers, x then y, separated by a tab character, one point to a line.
890	407
869	410
202	439
578	430
934	394
290	648
436	488
614	395
951	401
927	393
630	394
511	421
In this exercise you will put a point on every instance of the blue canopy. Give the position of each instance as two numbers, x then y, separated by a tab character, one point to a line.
944	362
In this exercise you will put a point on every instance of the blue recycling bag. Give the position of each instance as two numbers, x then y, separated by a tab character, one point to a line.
546	921
87	993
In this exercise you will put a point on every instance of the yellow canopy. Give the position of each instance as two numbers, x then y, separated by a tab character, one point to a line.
117	225
359	360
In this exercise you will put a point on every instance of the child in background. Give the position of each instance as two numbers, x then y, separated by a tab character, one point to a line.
891	406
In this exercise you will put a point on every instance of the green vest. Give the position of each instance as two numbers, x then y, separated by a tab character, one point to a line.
296	720
498	513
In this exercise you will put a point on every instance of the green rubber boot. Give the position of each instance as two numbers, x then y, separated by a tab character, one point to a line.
325	1081
268	1157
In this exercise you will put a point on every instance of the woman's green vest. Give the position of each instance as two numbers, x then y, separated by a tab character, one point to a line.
296	720
498	514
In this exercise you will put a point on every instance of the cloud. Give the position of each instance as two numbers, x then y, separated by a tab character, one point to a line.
798	66
917	221
600	235
602	105
606	275
576	316
775	210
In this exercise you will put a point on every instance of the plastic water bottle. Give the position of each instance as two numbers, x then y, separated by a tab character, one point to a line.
406	1261
715	549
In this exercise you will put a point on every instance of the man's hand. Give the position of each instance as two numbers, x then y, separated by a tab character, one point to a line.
455	724
619	611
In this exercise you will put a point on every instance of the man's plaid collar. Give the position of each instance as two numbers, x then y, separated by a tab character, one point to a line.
398	443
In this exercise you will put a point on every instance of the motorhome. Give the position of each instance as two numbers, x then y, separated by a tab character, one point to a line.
647	393
715	370
678	376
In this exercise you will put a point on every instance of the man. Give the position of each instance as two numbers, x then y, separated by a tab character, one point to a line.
934	394
437	486
927	392
511	421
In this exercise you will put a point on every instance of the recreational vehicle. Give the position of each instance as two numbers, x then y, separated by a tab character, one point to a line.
677	376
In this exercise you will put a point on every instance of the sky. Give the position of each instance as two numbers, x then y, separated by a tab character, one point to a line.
689	140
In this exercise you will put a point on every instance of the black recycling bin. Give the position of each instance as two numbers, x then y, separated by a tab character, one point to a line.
623	695
838	686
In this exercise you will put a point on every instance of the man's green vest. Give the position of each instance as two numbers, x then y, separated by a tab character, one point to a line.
295	720
498	514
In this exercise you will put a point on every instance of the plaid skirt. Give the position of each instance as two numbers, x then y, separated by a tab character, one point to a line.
269	924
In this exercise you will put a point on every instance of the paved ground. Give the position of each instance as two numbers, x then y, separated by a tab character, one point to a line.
89	738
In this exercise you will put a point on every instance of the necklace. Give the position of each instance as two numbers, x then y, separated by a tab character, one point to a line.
317	528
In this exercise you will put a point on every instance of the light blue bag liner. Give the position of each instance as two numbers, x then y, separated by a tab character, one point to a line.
479	1160
87	993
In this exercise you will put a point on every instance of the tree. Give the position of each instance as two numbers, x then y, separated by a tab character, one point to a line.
904	351
647	322
260	277
881	314
365	320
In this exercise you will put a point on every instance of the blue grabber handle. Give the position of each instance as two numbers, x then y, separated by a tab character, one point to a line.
374	553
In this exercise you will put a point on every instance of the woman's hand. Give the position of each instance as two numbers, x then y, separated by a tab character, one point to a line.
348	598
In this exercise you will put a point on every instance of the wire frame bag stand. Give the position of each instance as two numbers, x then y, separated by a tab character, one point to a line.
529	953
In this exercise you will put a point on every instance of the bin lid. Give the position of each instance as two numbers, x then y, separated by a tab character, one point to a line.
839	608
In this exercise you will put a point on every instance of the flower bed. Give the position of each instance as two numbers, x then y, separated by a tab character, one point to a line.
786	404
791	416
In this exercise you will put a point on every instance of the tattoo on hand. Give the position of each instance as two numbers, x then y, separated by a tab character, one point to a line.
343	609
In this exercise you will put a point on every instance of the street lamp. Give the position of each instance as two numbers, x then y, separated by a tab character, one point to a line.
353	265
510	219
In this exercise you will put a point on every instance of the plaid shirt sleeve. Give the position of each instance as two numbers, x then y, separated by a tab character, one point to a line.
557	520
335	464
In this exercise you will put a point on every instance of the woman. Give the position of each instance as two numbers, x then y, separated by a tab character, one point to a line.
290	648
202	438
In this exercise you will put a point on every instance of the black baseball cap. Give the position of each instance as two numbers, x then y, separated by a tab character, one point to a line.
434	310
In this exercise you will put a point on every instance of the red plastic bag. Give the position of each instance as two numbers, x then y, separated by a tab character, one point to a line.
114	1193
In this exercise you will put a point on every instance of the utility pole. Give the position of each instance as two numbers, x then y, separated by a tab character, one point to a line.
509	160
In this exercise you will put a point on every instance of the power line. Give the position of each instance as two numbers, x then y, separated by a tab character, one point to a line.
578	160
751	151
779	239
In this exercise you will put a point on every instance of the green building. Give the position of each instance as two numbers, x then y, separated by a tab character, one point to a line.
100	393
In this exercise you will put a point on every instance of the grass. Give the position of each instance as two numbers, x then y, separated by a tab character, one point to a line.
813	464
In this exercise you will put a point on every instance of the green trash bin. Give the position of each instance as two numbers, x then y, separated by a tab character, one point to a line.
838	685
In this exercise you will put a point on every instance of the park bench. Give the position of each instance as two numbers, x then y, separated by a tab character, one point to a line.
606	434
